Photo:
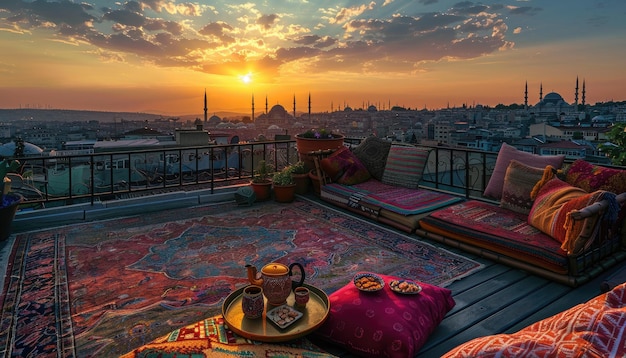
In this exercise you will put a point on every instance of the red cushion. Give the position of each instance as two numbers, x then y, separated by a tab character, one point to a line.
384	323
594	177
344	167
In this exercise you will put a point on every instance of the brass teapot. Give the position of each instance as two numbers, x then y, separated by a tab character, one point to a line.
276	281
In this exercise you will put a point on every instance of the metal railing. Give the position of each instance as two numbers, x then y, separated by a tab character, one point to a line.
88	178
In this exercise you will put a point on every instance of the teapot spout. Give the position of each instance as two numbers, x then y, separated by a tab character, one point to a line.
252	276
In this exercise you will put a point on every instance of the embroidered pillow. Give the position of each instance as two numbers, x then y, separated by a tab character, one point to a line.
519	181
383	323
405	165
586	330
372	152
344	167
508	153
594	177
555	202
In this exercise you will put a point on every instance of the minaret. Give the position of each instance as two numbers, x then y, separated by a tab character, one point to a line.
205	108
583	93
526	96
265	104
309	106
253	108
294	105
540	92
576	94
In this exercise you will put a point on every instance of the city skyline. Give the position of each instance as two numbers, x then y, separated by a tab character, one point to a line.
161	56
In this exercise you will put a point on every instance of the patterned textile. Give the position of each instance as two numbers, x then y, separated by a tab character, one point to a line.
107	287
554	204
592	177
497	229
595	329
373	152
401	200
403	322
212	338
343	167
405	165
508	153
519	181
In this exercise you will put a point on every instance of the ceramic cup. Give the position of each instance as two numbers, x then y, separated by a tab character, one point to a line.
252	303
301	295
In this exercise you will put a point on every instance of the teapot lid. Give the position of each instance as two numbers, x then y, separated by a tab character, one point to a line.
275	268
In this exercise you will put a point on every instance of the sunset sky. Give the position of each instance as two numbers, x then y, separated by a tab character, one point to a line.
160	56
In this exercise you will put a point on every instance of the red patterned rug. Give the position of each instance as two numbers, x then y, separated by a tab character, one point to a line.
105	288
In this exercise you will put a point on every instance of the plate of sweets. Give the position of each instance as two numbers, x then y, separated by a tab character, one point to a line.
405	287
283	316
368	282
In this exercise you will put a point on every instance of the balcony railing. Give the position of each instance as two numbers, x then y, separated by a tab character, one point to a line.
88	178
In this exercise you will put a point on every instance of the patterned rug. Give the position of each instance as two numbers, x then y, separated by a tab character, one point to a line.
105	288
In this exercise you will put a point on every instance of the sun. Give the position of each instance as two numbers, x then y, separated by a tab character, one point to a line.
247	78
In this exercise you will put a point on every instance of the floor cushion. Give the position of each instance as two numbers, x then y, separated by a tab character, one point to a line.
384	323
596	328
211	337
498	230
508	153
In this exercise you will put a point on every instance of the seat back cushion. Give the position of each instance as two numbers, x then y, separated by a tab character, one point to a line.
552	209
405	165
592	177
519	181
384	323
372	152
508	153
343	167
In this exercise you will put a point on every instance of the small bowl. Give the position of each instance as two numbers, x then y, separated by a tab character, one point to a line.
405	287
368	282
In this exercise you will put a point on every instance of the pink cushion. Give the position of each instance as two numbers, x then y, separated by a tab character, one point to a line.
593	329
383	323
506	154
592	177
344	167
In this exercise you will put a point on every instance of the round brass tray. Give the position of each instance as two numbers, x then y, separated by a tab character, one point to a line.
261	329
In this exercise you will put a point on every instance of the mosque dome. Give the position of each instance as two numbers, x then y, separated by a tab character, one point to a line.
214	120
552	99
277	111
372	108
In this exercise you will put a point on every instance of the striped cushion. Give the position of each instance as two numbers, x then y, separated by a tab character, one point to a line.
405	165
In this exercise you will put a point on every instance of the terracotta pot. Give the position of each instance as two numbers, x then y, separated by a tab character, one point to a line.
262	190
285	193
302	183
315	182
307	145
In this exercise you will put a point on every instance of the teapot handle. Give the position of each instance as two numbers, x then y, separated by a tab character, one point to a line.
293	283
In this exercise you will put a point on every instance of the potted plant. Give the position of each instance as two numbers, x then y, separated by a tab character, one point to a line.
314	140
261	183
284	186
300	175
8	201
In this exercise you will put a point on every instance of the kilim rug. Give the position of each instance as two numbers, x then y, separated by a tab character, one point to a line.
107	287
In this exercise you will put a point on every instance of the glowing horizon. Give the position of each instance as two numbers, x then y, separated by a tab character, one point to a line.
160	56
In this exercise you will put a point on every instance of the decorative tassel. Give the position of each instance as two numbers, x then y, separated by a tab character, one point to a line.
548	173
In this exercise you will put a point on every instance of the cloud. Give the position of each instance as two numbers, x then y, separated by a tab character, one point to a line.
356	39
